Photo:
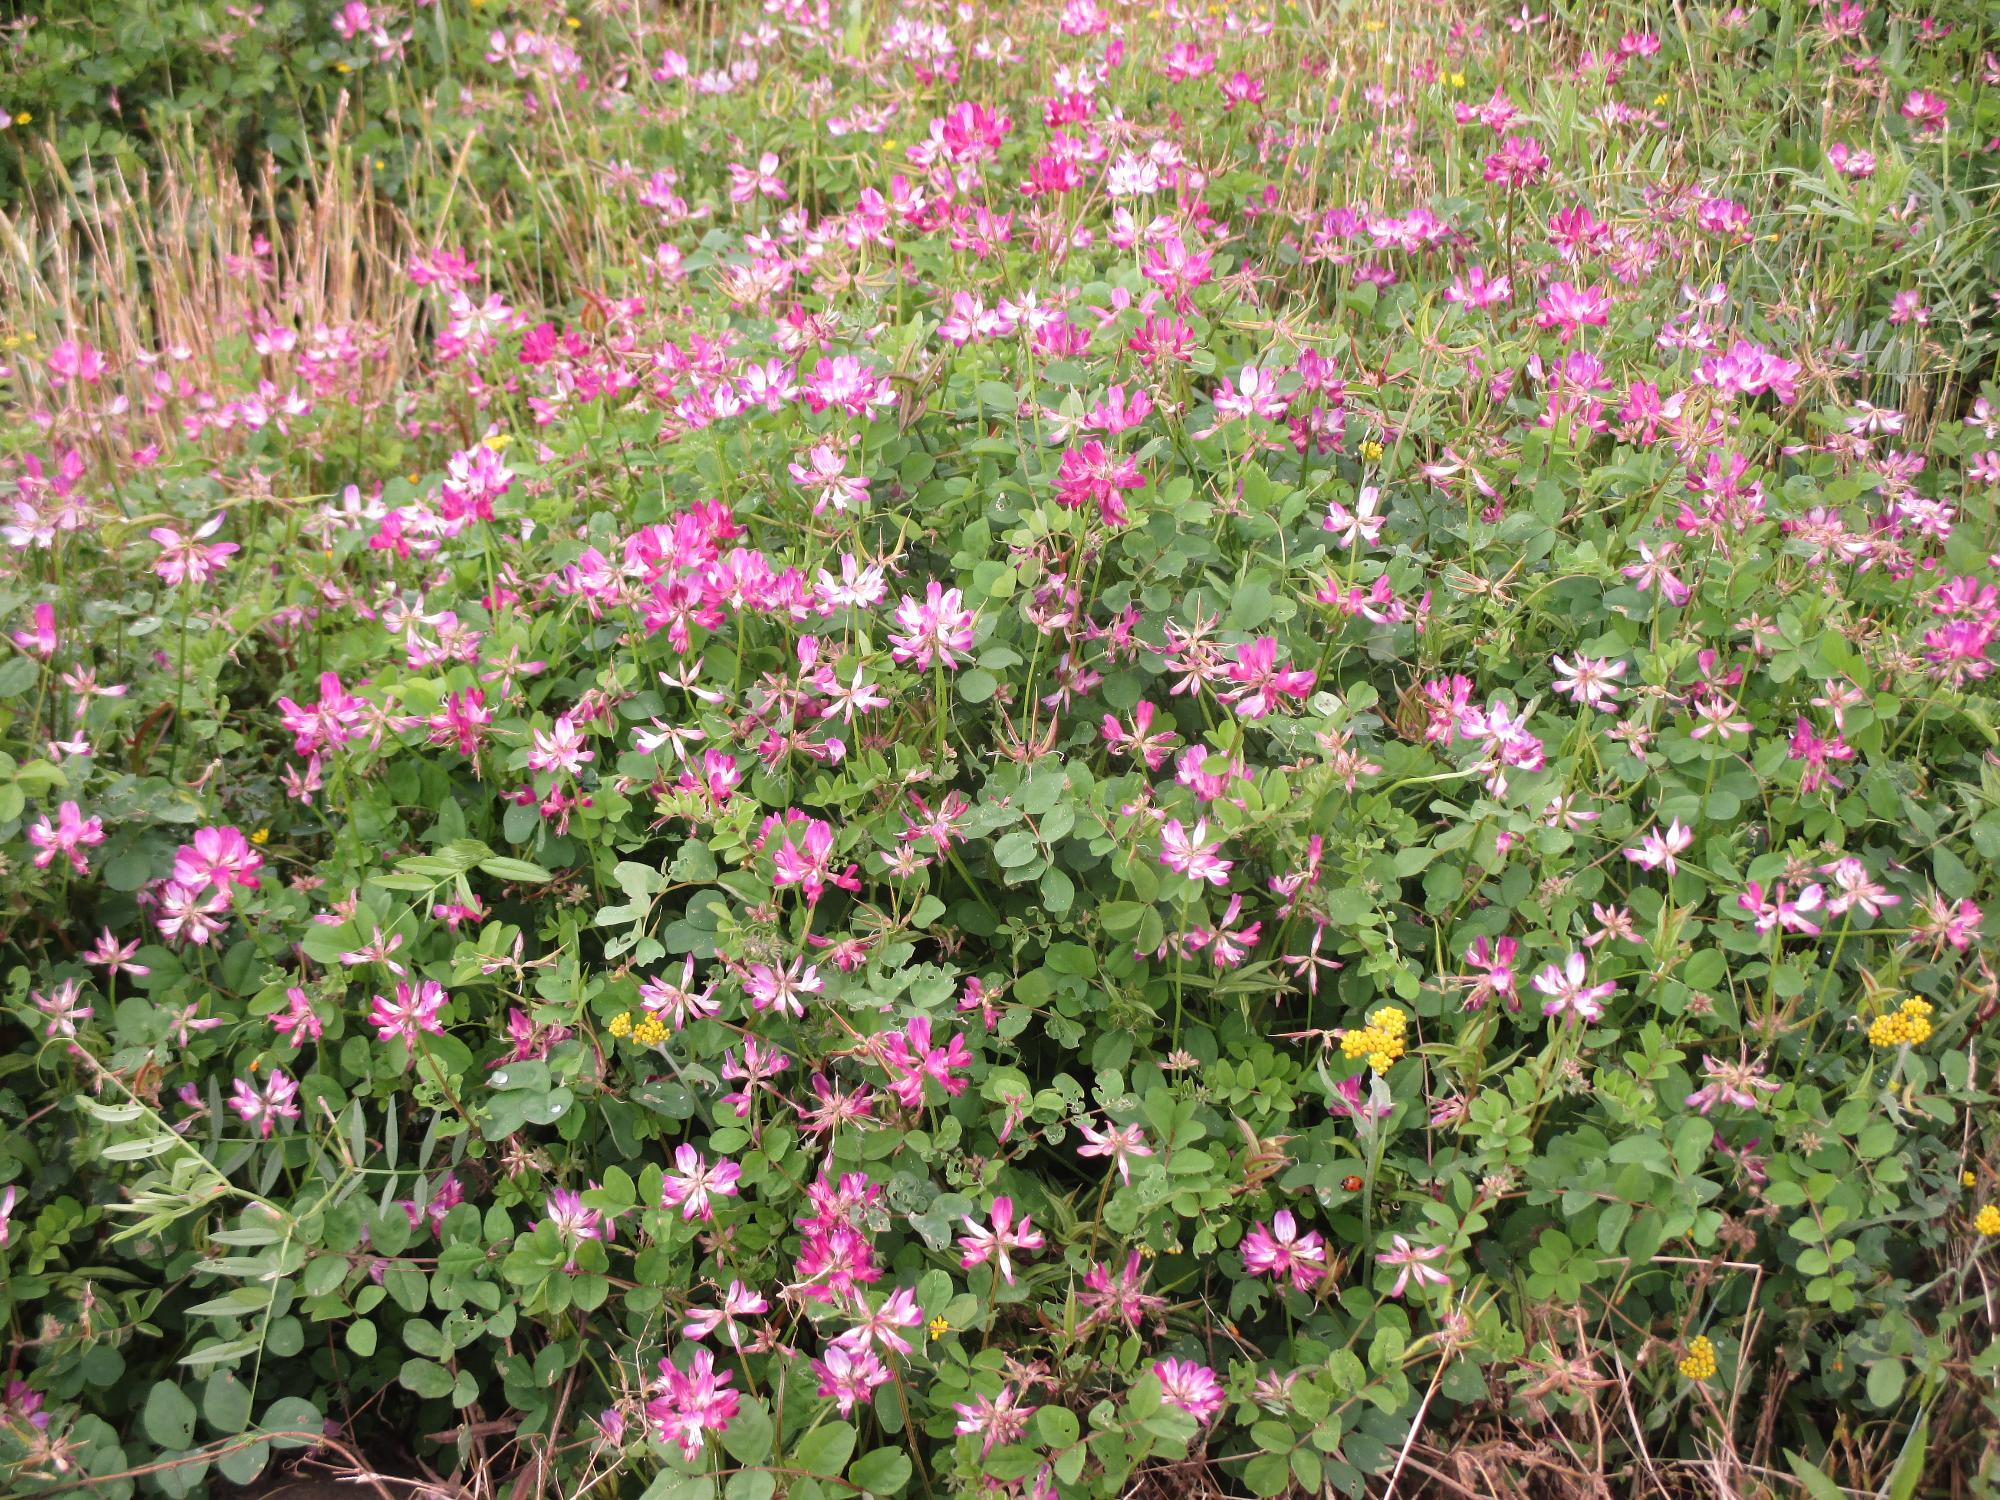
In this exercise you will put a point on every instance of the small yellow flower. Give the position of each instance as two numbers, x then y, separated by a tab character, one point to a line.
1659	101
889	143
1371	451
940	1326
1904	1027
650	1032
1987	1221
25	117
498	441
571	22
342	68
1380	1041
1458	80
621	1024
261	836
1968	1179
1700	1361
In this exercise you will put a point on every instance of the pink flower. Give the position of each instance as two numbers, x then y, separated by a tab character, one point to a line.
221	857
1494	959
694	1180
738	1302
1660	849
112	955
1093	475
995	1421
298	1022
939	628
190	559
1190	1386
1413	1265
1121	1143
1520	162
1732	1083
1780	910
187	914
69	835
909	1059
687	1407
560	748
883	1324
849	1376
266	1105
40	639
332	721
1262	684
1190	854
1592	681
415	1009
1282	1253
1569	993
979	1243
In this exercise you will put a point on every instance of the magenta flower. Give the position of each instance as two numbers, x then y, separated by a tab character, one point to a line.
849	1376
1659	849
69	836
909	1058
221	857
1190	1386
414	1010
1283	1254
686	1407
266	1104
1261	684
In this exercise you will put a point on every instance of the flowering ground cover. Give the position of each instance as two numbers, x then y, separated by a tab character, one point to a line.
1039	751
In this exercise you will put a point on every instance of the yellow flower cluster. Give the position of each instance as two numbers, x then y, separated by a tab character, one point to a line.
1380	1041
1987	1221
1904	1027
647	1031
1700	1361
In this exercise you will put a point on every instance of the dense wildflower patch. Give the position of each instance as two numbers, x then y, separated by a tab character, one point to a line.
916	750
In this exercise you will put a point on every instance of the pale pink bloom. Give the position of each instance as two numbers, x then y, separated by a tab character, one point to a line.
694	1180
1190	854
1659	849
1569	991
1413	1265
1121	1143
979	1243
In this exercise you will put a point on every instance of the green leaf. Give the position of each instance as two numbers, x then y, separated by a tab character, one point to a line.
824	1450
425	1377
500	867
883	1471
168	1417
1814	1479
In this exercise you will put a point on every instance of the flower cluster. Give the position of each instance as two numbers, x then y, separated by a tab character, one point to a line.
1906	1026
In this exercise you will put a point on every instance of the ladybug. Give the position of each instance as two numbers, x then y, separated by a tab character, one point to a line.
1351	1184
